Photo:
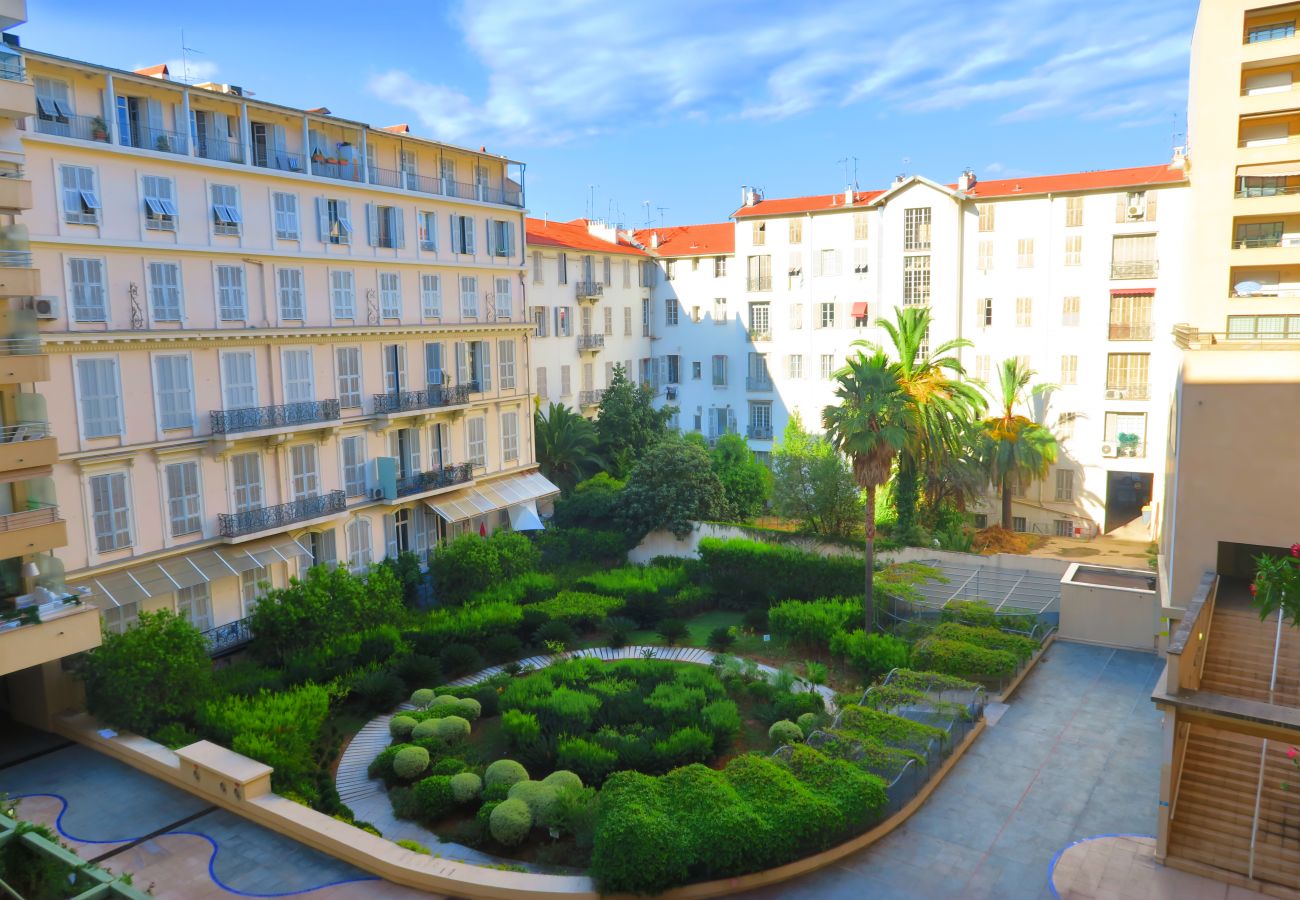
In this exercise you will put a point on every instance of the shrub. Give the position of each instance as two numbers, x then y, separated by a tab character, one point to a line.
988	638
521	729
468	708
246	677
468	624
418	668
400	727
638	840
443	700
174	735
376	690
450	729
756	619
672	631
691	599
378	645
459	659
410	763
721	719
721	639
433	797
510	822
808	723
644	589
962	659
504	771
589	760
890	729
527	588
503	648
516	553
562	778
619	630
463	567
872	654
564	546
682	747
413	846
792	705
812	624
554	632
448	765
969	612
578	609
423	698
466	787
785	732
575	812
858	796
930	681
540	798
591	503
748	573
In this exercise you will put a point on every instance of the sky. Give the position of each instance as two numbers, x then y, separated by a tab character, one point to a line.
659	113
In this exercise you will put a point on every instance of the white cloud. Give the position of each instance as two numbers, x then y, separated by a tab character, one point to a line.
556	71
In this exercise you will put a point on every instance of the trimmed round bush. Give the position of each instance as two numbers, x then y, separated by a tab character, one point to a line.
423	697
807	723
466	787
449	765
785	732
510	822
410	762
400	727
433	798
562	778
468	708
450	728
539	797
424	729
443	700
505	771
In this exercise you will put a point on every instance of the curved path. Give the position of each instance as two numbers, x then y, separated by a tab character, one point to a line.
368	799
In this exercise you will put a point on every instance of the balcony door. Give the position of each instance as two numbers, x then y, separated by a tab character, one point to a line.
304	475
404	446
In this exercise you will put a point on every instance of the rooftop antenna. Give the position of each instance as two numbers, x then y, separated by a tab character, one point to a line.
185	59
662	210
591	201
648	220
845	163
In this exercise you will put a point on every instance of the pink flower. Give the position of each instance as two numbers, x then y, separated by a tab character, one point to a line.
1291	753
1252	590
1295	549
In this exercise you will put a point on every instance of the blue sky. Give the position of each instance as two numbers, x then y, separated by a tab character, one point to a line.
680	103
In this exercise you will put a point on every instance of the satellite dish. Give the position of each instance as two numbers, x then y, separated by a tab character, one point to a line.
1247	288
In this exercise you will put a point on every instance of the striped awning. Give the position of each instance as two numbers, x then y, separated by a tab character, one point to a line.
1132	292
167	576
491	496
1269	170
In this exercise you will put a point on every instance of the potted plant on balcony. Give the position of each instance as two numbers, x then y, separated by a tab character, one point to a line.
161	143
99	129
1128	443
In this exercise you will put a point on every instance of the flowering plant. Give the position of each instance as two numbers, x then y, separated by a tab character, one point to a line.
1292	753
1277	585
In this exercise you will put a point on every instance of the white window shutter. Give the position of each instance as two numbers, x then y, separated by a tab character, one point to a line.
462	367
372	224
491	239
510	249
390	536
455	233
399	228
487	365
469	234
323	219
415	450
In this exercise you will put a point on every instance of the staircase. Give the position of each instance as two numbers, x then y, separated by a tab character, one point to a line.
1239	657
1213	816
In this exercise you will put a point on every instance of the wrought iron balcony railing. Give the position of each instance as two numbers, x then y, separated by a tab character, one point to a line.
229	636
434	479
759	283
759	432
591	342
590	289
283	415
266	517
1128	392
220	149
157	139
432	397
83	128
761	385
1145	268
1130	332
591	398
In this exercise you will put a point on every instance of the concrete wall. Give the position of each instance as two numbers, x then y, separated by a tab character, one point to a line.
1114	616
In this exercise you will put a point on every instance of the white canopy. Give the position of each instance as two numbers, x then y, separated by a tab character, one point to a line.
503	493
524	517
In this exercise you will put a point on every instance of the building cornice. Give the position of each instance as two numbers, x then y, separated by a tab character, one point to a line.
95	341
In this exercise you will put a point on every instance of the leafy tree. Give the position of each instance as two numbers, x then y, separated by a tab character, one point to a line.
745	480
566	446
874	420
591	503
1277	586
671	486
463	567
1015	447
153	674
627	424
813	484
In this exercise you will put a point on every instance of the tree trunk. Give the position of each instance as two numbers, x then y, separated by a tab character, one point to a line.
869	531
1006	505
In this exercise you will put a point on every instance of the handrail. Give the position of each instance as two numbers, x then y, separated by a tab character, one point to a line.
1263	752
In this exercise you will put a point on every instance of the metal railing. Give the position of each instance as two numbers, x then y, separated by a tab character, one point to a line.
432	397
224	638
282	160
759	283
10	169
13	71
1267	240
27	345
761	385
1120	332
25	431
589	289
339	170
591	342
40	514
15	259
1128	392
1145	268
434	479
760	334
221	150
267	517
83	128
283	415
156	139
591	398
1271	191
759	432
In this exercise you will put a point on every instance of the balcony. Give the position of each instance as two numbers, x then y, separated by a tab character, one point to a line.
268	518
591	398
219	150
83	128
17	94
34	635
591	343
759	432
1120	332
337	169
271	418
224	638
589	290
435	397
435	479
280	160
758	385
1187	337
1124	449
760	334
21	360
27	446
157	139
35	530
758	283
1128	392
1145	268
15	188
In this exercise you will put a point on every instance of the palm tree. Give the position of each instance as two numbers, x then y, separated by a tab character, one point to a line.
872	422
943	403
566	446
1015	447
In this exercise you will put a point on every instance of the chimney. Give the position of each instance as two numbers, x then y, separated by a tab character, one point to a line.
1180	158
654	240
848	196
966	180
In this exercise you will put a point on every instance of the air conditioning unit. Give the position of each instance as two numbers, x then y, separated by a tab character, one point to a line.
1115	394
1137	207
46	307
378	493
1109	449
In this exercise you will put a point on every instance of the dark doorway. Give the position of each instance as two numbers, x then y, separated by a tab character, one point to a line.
1126	494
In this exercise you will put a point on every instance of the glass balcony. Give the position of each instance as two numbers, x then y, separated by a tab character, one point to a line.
264	518
284	415
432	397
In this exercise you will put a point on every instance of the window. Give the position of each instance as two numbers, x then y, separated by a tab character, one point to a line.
110	504
986	311
1128	431
232	304
1133	256
794	365
394	358
1126	373
297	375
1130	317
670	269
476	441
468	297
983	367
627	321
916	228
719	370
250	587
1025	253
563	322
1070	311
54	104
357	534
501	237
609	320
1073	249
828	263
860	266
795	269
159	195
565	384
916	280
347	365
505	304
859	226
796	316
719	267
390	295
758	375
1069	369
607	271
474	364
760	273
510	436
426	223
985	260
672	309
435	373
334	221
246	481
828	365
760	420
80	199
1065	425
986	216
540	321
183	498
174	390
165	291
1263	328
238	379
292	303
825	315
1073	212
99	397
1024	312
462	234
304	480
89	298
796	231
385	226
226	217
1274	32
760	327
760	233
720	311
542	389
506	364
404	446
1018	523
286	216
194	605
431	296
343	294
1258	234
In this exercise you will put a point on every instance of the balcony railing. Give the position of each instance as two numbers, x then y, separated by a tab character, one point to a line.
434	479
1129	332
13	71
284	415
15	259
227	637
759	432
265	517
1129	450
340	170
157	139
284	161
759	283
26	345
40	514
220	150
591	342
760	334
1270	191
591	398
590	289
430	398
83	128
1128	392
1145	268
757	384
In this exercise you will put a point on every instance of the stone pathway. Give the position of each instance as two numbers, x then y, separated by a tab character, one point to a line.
1124	866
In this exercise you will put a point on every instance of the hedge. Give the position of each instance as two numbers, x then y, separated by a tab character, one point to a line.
745	573
527	588
813	624
472	624
410	762
785	732
511	821
872	654
988	638
578	609
963	659
894	730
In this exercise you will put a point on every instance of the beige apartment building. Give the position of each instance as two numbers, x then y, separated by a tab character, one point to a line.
279	337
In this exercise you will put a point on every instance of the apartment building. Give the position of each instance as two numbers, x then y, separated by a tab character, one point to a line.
588	295
280	338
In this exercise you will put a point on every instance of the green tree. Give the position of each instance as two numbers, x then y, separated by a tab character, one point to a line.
153	674
813	484
672	486
591	504
745	480
872	422
566	446
627	424
1015	448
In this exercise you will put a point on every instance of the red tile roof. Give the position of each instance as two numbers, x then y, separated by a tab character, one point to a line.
154	71
1079	181
713	239
397	129
784	206
574	236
